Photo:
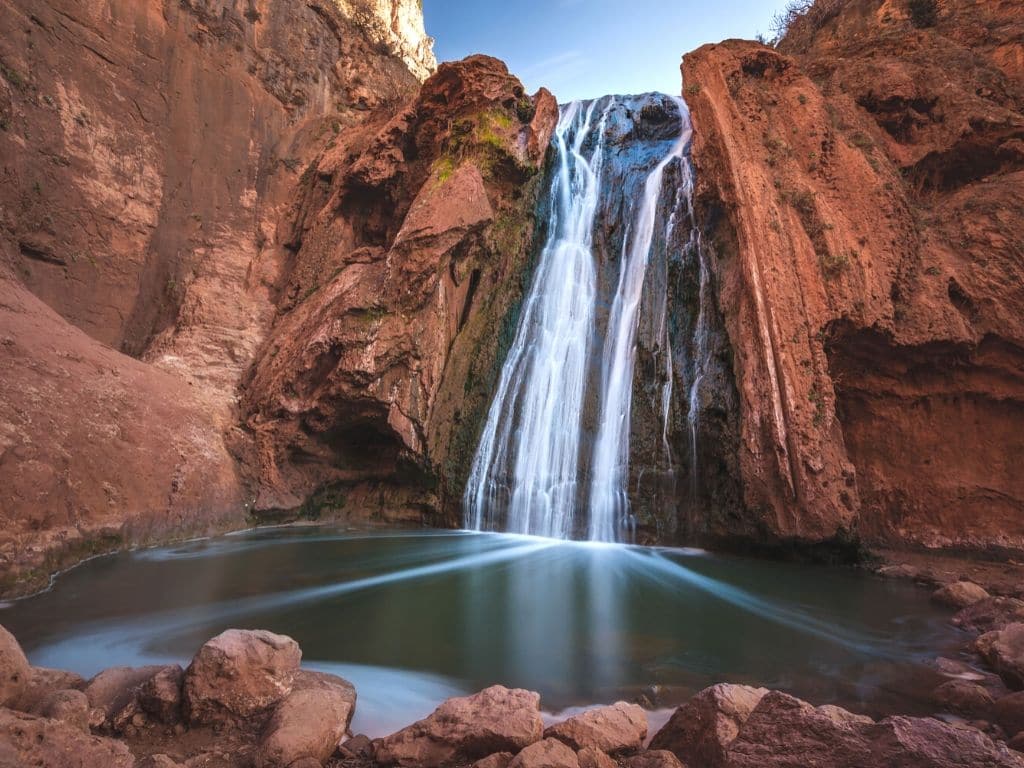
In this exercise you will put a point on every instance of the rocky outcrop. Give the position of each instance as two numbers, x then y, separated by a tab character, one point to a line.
239	674
700	731
621	727
468	728
862	187
149	150
411	243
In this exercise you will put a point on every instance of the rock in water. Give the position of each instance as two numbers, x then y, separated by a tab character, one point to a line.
309	722
467	728
619	728
549	753
239	674
701	730
594	758
15	672
960	594
1004	651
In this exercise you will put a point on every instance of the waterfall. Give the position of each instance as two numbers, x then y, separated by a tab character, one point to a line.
543	466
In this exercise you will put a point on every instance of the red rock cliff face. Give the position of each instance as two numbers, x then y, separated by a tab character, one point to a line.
148	150
864	186
411	242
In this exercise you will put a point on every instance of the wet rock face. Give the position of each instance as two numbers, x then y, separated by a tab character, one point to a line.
411	244
862	188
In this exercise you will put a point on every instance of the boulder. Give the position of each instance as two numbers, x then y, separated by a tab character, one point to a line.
309	722
29	740
549	753
15	672
157	761
70	706
990	614
114	689
924	742
622	727
784	732
594	758
701	730
1008	713
466	729
497	760
963	697
959	594
1003	650
44	681
239	674
359	746
654	758
1017	742
160	696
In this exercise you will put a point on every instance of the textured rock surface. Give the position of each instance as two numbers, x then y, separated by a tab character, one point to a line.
15	673
467	728
548	753
27	740
1003	649
700	731
784	731
115	244
622	727
239	674
865	196
309	722
411	242
959	594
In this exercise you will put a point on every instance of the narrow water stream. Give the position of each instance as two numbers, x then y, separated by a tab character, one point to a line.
412	617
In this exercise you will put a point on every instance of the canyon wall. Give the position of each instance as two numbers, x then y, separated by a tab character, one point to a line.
148	152
862	186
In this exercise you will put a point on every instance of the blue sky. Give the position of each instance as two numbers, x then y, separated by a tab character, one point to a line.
589	48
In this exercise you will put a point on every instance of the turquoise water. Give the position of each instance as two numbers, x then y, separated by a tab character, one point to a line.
412	617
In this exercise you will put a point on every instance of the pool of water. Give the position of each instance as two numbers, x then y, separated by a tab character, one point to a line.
412	617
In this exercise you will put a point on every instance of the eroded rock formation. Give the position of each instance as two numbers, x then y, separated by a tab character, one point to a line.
148	151
863	189
411	242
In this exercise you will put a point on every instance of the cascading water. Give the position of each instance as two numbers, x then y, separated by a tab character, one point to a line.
556	439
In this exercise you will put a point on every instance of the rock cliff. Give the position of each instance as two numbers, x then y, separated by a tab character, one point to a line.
148	151
863	188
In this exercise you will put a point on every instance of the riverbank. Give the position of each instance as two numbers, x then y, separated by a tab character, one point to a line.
246	700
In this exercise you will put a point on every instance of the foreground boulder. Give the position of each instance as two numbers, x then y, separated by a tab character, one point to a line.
785	732
991	614
43	682
309	722
28	740
619	728
116	689
963	697
701	730
466	729
1004	651
549	753
15	672
654	758
1008	712
239	674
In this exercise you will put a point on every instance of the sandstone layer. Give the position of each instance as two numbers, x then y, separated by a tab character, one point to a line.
862	185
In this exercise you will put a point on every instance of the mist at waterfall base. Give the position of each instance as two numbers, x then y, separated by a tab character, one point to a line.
413	617
553	458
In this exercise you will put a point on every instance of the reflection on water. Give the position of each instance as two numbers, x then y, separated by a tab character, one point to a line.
414	617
